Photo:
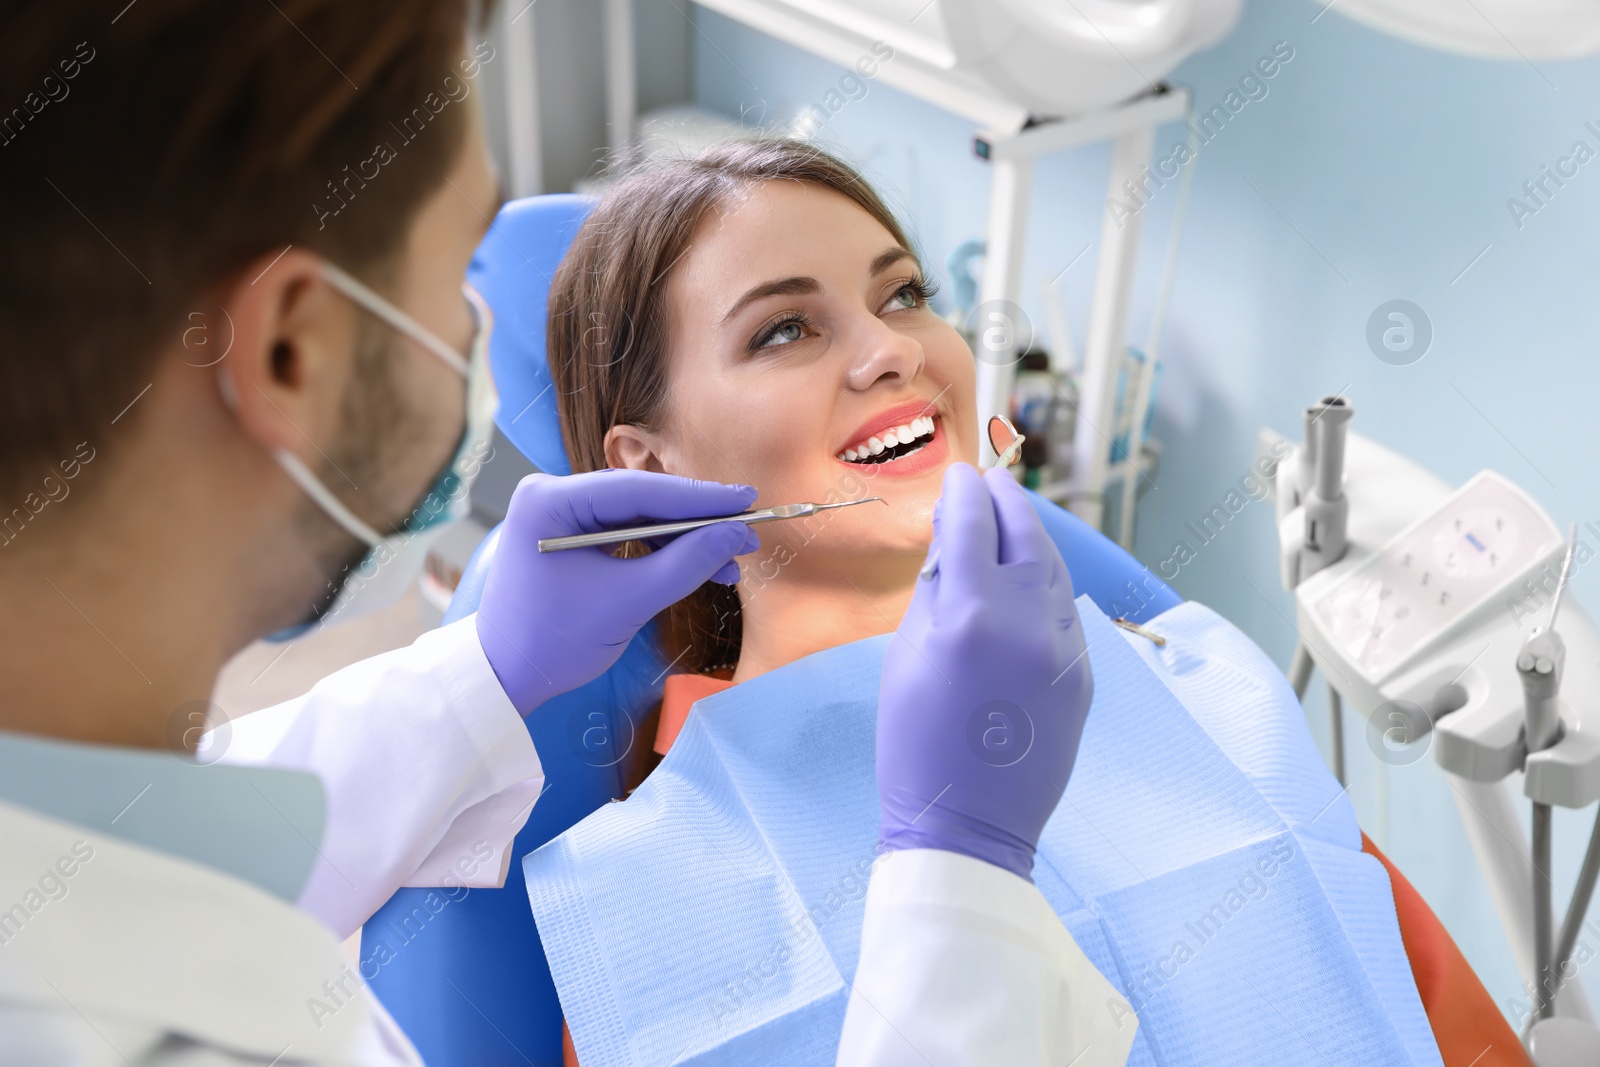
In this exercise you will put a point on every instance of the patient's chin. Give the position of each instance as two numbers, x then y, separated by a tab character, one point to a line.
866	543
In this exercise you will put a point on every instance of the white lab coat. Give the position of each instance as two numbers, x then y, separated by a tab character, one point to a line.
429	775
964	963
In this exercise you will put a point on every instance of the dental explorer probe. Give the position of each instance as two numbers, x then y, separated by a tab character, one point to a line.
667	529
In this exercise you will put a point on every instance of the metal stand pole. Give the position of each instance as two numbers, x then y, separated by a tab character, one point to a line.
1010	189
1300	671
622	94
1108	325
1336	732
1543	1002
1130	126
1500	842
1578	907
526	162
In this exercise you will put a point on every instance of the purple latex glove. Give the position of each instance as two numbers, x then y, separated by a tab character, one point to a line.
550	622
986	683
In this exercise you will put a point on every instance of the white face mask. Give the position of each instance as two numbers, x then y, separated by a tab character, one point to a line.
397	559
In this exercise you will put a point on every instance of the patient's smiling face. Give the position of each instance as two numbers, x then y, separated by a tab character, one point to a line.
799	342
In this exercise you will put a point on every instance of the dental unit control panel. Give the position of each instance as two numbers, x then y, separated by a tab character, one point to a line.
1451	569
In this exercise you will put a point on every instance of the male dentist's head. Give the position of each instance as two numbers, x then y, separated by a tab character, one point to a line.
233	339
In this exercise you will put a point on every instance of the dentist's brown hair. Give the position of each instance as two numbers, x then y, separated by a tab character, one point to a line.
153	151
608	326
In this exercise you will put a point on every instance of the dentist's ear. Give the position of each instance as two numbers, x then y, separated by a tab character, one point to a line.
633	447
292	354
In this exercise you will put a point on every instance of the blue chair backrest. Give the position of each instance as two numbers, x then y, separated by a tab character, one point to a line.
464	973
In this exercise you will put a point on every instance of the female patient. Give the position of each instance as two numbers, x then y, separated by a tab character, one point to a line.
757	315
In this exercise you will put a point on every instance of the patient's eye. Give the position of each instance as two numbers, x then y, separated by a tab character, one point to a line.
787	330
912	294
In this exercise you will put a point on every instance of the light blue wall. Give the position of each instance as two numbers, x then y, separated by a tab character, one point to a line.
1372	170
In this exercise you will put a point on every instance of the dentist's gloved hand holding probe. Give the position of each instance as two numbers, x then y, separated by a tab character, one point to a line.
550	622
986	686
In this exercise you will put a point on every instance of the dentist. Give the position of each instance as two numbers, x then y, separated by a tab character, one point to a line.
239	373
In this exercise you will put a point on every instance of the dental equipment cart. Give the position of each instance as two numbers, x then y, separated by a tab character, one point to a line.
1432	610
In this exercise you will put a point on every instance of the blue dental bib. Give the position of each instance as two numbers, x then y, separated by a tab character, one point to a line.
1202	857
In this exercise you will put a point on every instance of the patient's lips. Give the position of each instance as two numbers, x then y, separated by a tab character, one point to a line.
906	439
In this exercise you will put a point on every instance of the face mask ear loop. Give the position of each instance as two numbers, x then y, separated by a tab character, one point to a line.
330	504
225	386
358	292
302	476
482	314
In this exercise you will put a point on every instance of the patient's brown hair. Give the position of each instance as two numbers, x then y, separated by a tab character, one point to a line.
607	336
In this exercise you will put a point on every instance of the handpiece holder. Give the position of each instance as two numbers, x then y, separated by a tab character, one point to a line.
1327	509
1540	664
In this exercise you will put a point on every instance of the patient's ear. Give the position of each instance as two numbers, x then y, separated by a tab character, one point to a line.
633	448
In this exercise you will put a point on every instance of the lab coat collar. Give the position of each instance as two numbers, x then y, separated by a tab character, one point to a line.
115	931
256	823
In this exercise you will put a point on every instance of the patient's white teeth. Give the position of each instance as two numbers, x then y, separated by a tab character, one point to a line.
916	431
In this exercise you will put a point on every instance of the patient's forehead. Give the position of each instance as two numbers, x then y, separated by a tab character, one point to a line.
776	229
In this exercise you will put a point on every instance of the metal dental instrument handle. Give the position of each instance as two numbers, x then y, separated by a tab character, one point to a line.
1000	429
1013	450
667	529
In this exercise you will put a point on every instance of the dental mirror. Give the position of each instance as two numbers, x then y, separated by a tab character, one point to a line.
1005	440
1007	445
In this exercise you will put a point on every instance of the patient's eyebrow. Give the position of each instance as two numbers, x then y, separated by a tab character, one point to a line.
797	286
804	286
888	258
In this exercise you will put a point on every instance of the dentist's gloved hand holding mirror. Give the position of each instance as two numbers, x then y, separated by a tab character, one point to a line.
550	622
986	684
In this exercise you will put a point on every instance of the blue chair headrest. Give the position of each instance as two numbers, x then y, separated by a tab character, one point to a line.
513	268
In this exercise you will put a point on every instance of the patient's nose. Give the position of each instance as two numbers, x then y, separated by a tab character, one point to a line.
883	353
